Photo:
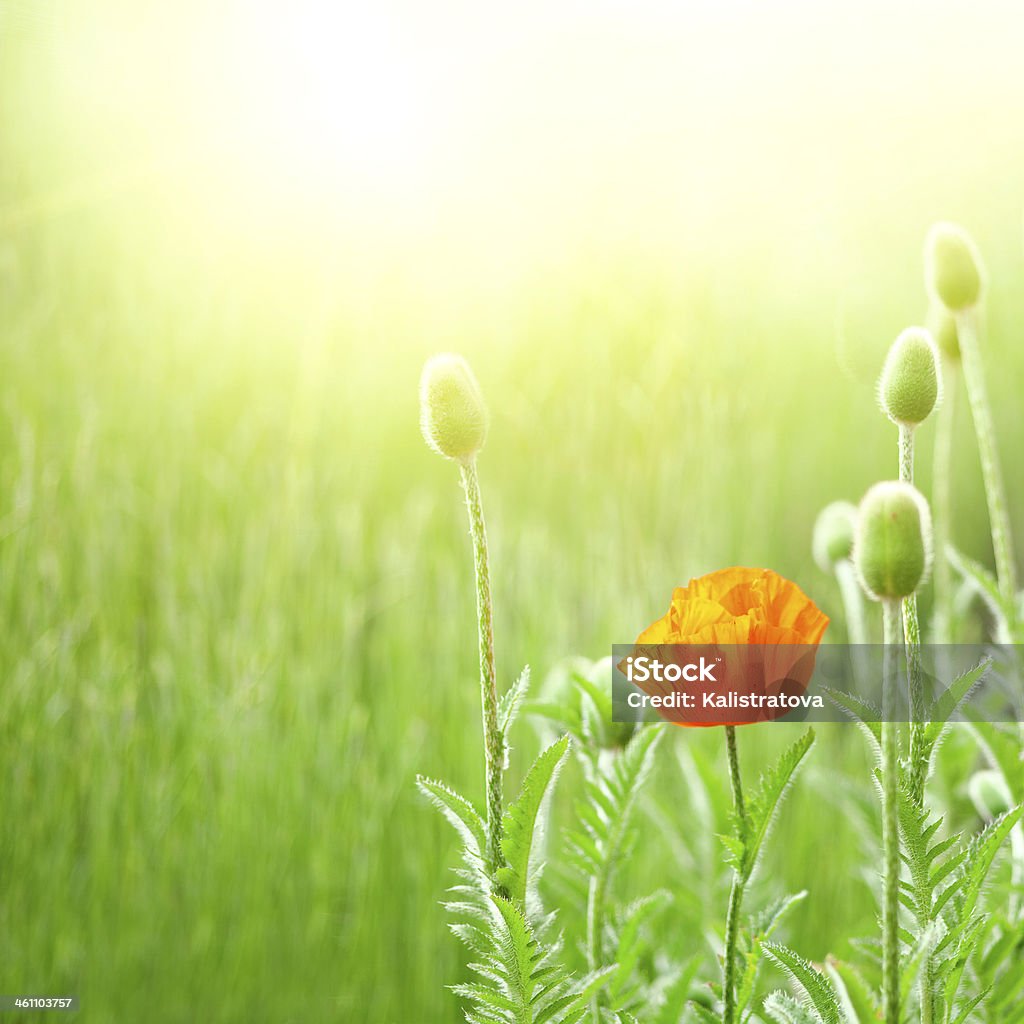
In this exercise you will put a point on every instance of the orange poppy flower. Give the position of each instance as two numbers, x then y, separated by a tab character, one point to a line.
761	628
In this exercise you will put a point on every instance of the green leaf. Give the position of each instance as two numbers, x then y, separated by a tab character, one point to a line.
1001	744
631	947
863	712
856	998
761	928
703	1013
572	1007
981	852
784	1009
511	701
914	961
521	819
765	923
969	1006
765	801
674	994
605	813
986	587
815	986
459	811
595	709
949	701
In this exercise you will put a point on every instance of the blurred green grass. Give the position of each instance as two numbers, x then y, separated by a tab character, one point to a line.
236	604
237	608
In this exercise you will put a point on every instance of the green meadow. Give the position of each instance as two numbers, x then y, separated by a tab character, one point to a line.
236	602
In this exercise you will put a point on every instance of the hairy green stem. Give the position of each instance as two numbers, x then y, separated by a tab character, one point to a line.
853	602
494	742
912	638
985	432
998	515
890	833
919	753
732	921
942	474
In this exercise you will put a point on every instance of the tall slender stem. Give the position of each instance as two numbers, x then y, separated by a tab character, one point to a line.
942	473
853	602
732	920
985	431
999	518
890	834
494	743
912	638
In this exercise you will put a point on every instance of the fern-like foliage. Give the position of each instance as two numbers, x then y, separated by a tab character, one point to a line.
521	978
762	927
521	820
595	849
784	1009
947	878
820	998
523	983
748	835
858	1001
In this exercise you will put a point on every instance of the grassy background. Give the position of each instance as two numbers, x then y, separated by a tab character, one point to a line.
235	587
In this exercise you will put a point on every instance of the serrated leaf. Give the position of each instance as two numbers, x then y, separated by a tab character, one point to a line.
703	1013
949	701
815	985
914	961
769	919
605	814
573	1006
521	819
784	1009
761	928
512	699
630	946
861	711
857	1001
969	1006
763	804
458	810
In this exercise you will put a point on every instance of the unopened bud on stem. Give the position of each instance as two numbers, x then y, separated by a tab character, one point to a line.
909	387
953	271
453	416
833	534
893	545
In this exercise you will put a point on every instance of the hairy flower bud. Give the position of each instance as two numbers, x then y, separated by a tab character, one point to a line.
833	534
893	545
453	416
953	271
909	387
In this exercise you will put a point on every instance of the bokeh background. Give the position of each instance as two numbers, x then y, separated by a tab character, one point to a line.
674	240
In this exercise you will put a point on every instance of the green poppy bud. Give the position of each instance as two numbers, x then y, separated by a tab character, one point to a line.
892	548
453	416
989	794
953	271
909	387
833	534
942	325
